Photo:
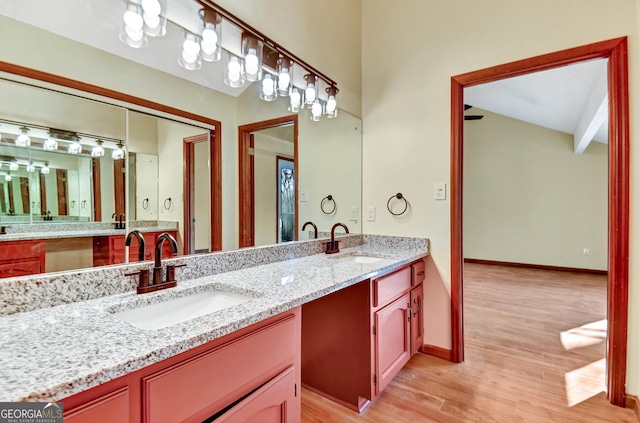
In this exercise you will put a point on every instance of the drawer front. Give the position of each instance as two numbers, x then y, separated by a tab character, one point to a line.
201	386
17	250
391	286
20	268
113	407
417	270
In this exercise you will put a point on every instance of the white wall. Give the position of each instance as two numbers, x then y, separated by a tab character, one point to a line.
529	199
410	51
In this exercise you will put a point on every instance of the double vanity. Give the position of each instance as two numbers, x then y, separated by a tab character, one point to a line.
236	339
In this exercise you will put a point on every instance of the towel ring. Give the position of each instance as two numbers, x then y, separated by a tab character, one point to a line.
328	198
73	204
167	200
83	204
145	203
399	196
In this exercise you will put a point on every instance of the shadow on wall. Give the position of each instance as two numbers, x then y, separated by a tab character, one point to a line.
437	308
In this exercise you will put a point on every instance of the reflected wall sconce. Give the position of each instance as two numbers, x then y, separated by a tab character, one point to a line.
45	169
31	168
7	177
75	147
316	110
118	152
50	144
13	165
23	139
98	149
253	57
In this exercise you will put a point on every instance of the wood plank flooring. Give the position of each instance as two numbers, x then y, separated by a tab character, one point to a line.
534	349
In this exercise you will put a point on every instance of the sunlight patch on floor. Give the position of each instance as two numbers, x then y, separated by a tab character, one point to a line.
585	382
583	336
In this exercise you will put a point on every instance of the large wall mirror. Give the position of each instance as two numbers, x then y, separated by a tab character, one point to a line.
166	180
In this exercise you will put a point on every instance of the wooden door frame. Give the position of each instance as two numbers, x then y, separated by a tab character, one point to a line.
618	198
246	228
215	186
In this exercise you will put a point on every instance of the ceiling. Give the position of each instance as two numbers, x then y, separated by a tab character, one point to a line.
570	99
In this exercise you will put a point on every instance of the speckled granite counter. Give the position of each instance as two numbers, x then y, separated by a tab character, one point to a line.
55	352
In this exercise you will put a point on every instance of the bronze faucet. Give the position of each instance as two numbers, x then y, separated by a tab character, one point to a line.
158	283
119	223
157	268
332	246
141	243
315	228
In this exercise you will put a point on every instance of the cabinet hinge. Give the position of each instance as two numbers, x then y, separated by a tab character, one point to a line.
252	151
295	389
375	379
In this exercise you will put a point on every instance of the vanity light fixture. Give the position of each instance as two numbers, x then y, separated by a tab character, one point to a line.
252	49
118	152
133	33
295	99
13	165
331	107
23	139
316	110
284	70
7	177
268	87
45	169
75	147
210	48
98	149
50	144
190	54
31	167
233	72
154	17
311	90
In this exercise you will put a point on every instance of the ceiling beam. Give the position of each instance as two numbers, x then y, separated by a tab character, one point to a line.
593	116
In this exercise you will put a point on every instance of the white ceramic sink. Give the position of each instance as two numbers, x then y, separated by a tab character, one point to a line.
178	310
365	259
360	257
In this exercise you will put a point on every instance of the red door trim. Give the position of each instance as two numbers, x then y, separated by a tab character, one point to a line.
618	270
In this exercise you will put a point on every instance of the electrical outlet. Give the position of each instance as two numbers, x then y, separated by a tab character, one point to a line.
371	214
354	213
440	191
304	195
585	252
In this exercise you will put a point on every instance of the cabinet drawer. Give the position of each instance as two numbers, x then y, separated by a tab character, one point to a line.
113	407
202	385
391	286
20	268
17	250
417	273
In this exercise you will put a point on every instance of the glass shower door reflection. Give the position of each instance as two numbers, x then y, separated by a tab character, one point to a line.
286	199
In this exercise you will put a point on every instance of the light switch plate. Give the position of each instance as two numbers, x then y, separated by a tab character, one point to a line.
440	191
304	194
354	213
371	214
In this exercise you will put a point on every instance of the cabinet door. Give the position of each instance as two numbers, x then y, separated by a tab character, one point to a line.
113	407
393	345
271	403
417	319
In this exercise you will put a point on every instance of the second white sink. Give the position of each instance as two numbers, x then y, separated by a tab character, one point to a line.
178	310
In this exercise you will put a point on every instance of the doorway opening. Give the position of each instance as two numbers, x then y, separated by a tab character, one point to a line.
263	197
618	194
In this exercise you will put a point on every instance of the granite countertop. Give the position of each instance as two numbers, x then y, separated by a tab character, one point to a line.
22	236
52	353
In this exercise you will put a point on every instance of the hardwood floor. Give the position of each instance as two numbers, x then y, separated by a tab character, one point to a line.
534	348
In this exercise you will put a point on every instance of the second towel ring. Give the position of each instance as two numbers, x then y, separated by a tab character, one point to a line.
328	198
167	203
145	203
399	196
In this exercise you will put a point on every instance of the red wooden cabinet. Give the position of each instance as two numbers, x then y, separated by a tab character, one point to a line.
22	258
356	340
111	249
250	375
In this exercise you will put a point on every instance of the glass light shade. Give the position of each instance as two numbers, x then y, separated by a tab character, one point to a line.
284	70
268	91
23	139
295	100
7	177
210	44
331	106
45	169
118	152
75	147
311	90
31	167
154	14
190	55
50	144
132	32
316	110
252	64
97	150
13	165
233	72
